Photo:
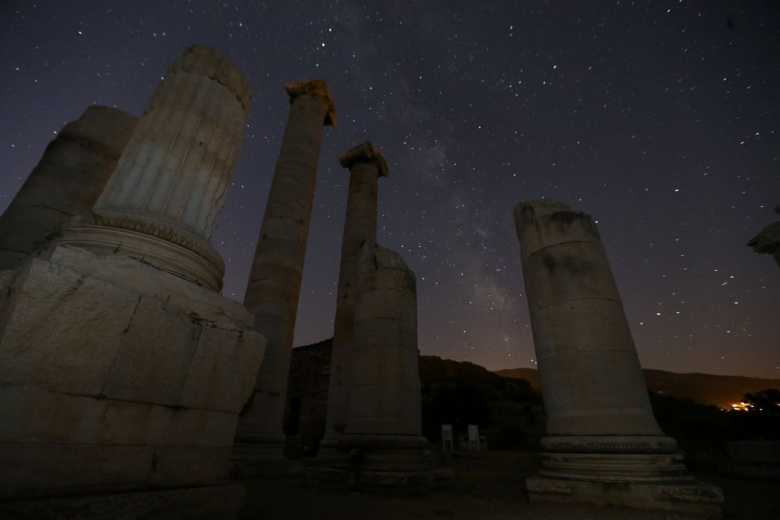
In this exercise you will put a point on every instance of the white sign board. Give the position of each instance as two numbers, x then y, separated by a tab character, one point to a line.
474	437
446	438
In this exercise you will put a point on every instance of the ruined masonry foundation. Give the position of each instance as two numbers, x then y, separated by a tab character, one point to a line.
122	369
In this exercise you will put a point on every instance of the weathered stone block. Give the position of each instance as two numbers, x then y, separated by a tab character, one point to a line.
139	278
61	330
199	428
155	355
35	469
35	416
222	374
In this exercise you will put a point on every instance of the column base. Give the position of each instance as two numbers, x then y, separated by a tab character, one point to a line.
690	497
630	471
328	452
381	464
263	459
196	503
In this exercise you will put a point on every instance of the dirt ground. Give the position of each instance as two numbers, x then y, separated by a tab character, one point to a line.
489	486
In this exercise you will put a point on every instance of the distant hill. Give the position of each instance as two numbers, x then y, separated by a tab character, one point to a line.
710	389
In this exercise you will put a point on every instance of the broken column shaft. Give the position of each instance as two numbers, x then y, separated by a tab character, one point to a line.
600	428
365	165
275	279
66	182
162	203
382	446
384	385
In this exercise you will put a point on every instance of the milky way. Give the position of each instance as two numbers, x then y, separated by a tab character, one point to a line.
660	118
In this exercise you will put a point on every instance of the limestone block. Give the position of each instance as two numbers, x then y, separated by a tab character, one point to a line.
37	469
62	330
199	428
190	466
155	354
35	416
144	279
222	373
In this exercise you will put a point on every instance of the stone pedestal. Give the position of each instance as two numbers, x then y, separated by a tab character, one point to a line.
603	443
382	445
110	381
122	370
365	165
66	182
275	279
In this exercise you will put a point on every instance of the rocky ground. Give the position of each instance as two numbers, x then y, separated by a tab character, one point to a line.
485	487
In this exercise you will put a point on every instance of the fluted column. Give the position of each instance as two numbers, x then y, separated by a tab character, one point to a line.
365	165
66	182
275	279
164	199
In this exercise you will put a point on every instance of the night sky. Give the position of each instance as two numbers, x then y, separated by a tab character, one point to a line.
660	118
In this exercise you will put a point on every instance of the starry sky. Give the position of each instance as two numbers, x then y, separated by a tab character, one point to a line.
661	118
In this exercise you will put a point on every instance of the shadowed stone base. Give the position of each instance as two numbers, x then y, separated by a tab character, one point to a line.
692	497
380	482
257	460
644	471
395	470
201	503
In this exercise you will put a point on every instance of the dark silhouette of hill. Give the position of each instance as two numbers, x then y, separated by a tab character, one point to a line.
720	391
507	410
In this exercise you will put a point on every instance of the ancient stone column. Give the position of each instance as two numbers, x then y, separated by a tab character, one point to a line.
384	388
66	182
275	279
365	165
162	203
600	425
382	444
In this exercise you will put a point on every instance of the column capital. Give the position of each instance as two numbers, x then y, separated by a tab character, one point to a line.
364	152
317	88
